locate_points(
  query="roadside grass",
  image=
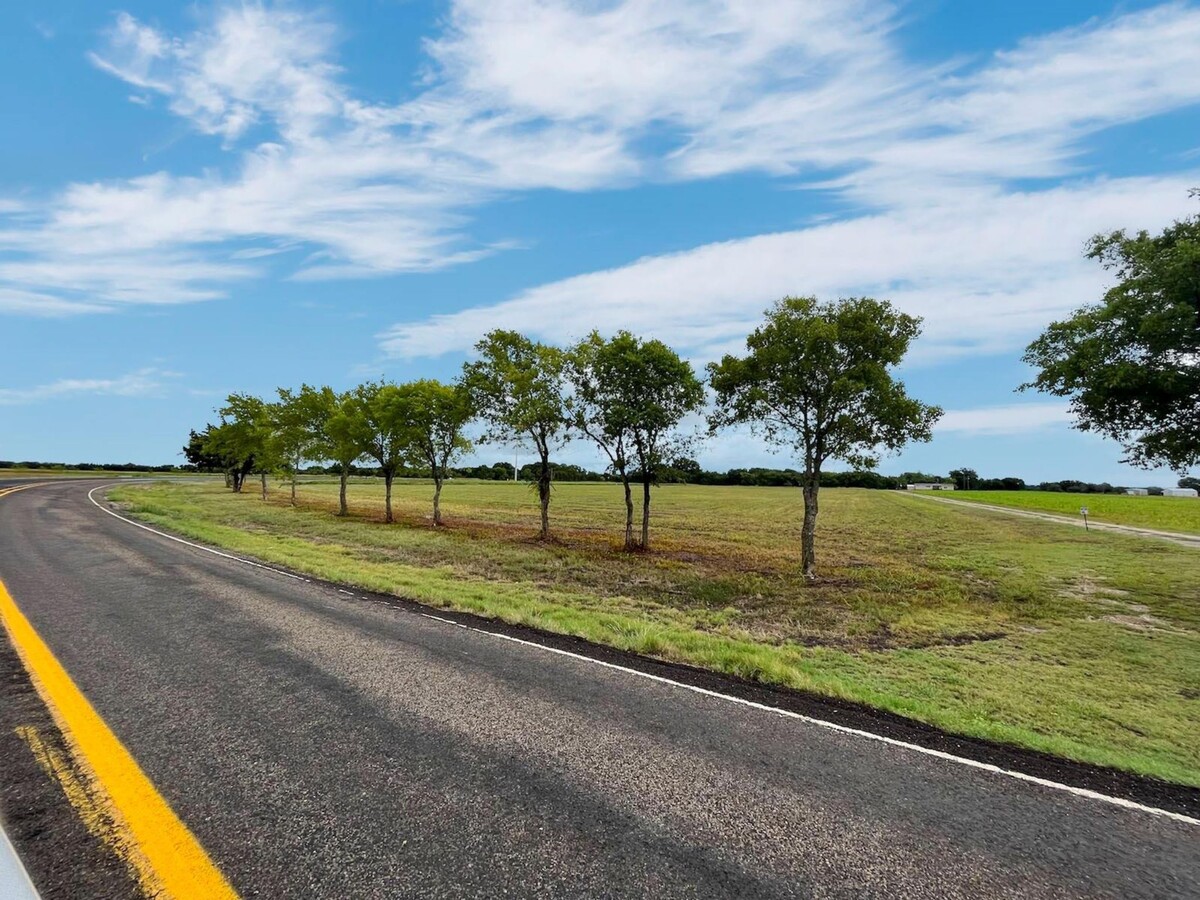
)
(1165, 513)
(1015, 630)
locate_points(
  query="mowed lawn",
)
(1081, 644)
(1180, 514)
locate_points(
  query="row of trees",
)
(816, 380)
(627, 395)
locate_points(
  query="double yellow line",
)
(107, 787)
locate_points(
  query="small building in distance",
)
(1137, 492)
(926, 486)
(1179, 492)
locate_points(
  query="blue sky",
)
(197, 199)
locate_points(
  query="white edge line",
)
(19, 875)
(787, 713)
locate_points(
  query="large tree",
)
(516, 385)
(384, 431)
(629, 397)
(817, 379)
(435, 415)
(1131, 363)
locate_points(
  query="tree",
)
(384, 430)
(298, 427)
(434, 415)
(964, 478)
(1193, 483)
(243, 437)
(817, 379)
(516, 385)
(347, 439)
(629, 397)
(200, 452)
(602, 410)
(1131, 363)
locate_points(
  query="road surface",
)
(322, 744)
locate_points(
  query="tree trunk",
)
(387, 488)
(544, 475)
(342, 510)
(264, 485)
(235, 481)
(437, 500)
(645, 513)
(629, 544)
(295, 473)
(808, 532)
(228, 480)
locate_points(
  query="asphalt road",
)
(323, 745)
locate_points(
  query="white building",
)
(1179, 492)
(1137, 492)
(924, 486)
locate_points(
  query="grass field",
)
(69, 472)
(1013, 629)
(1165, 513)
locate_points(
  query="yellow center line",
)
(4, 492)
(154, 843)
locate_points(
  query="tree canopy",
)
(1131, 363)
(629, 397)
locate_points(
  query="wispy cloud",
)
(985, 270)
(1015, 418)
(147, 382)
(574, 97)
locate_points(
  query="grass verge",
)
(1013, 630)
(1181, 514)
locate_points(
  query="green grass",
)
(1180, 514)
(1013, 629)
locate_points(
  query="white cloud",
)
(145, 382)
(984, 269)
(572, 96)
(1015, 418)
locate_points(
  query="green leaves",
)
(516, 385)
(629, 395)
(1131, 364)
(435, 415)
(817, 378)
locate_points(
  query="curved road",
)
(323, 745)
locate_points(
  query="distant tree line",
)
(91, 467)
(682, 470)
